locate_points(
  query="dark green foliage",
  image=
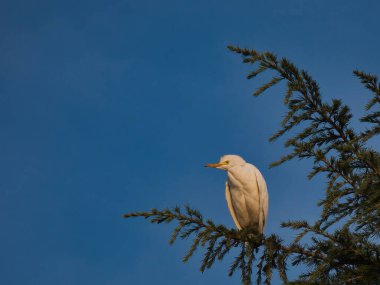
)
(347, 254)
(370, 82)
(218, 241)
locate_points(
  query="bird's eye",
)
(227, 161)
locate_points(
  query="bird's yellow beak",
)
(216, 165)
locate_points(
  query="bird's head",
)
(227, 161)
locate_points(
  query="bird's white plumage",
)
(246, 192)
(230, 207)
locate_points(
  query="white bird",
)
(246, 192)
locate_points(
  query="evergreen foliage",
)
(348, 252)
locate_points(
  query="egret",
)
(246, 192)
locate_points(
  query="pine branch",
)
(370, 82)
(217, 241)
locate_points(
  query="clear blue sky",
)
(108, 107)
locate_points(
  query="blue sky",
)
(108, 107)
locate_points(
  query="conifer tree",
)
(342, 246)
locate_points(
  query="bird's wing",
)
(263, 199)
(245, 199)
(248, 196)
(230, 207)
